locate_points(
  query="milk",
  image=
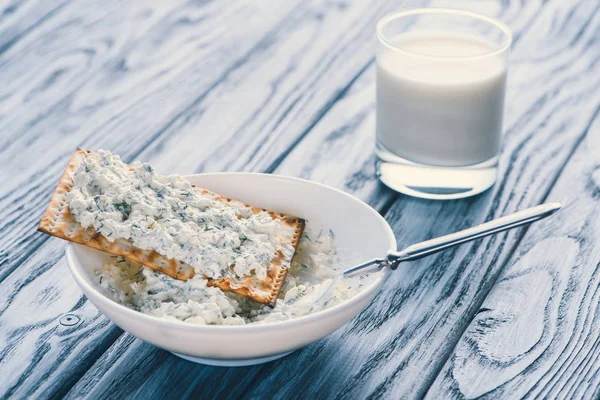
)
(436, 109)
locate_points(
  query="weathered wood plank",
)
(537, 333)
(138, 382)
(19, 18)
(39, 278)
(431, 301)
(419, 316)
(115, 370)
(16, 281)
(277, 96)
(119, 106)
(334, 152)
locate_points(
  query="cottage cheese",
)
(164, 213)
(316, 262)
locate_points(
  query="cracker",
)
(59, 222)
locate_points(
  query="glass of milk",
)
(441, 79)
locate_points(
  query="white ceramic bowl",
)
(356, 225)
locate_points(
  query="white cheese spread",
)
(192, 301)
(165, 214)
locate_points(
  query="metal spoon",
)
(423, 249)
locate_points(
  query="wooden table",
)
(288, 87)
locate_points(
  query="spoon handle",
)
(428, 247)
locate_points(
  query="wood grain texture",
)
(431, 301)
(40, 274)
(422, 311)
(113, 102)
(29, 271)
(537, 334)
(265, 104)
(18, 19)
(334, 145)
(268, 105)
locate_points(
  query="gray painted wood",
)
(111, 102)
(431, 301)
(331, 361)
(41, 272)
(306, 111)
(44, 276)
(422, 311)
(537, 333)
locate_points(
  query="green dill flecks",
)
(124, 208)
(208, 228)
(319, 237)
(186, 193)
(100, 279)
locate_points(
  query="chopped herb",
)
(124, 208)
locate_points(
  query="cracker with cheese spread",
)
(171, 226)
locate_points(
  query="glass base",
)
(434, 182)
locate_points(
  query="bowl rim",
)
(374, 287)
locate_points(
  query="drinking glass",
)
(441, 79)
